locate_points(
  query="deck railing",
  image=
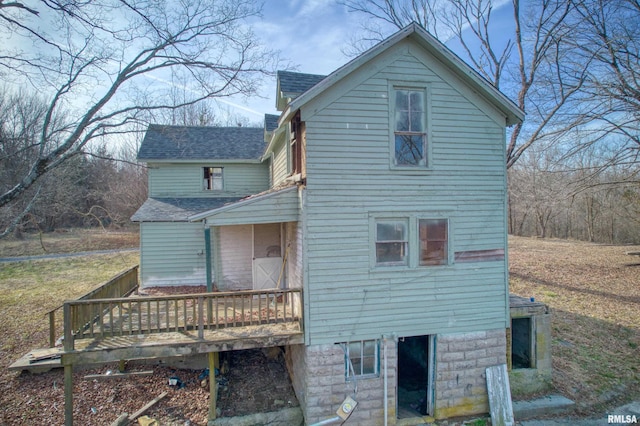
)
(102, 318)
(120, 285)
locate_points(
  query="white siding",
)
(235, 257)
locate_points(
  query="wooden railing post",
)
(68, 324)
(52, 328)
(200, 317)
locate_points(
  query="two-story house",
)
(380, 191)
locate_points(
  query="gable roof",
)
(441, 52)
(292, 84)
(201, 143)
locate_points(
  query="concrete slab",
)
(545, 406)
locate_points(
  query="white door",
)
(266, 271)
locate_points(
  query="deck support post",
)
(213, 385)
(68, 394)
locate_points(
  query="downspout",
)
(386, 381)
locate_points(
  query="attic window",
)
(409, 127)
(212, 179)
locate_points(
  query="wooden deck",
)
(147, 327)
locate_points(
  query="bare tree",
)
(537, 76)
(609, 33)
(99, 66)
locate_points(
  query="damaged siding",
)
(348, 160)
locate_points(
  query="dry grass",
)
(594, 295)
(69, 241)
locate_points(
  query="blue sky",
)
(311, 35)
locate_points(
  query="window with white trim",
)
(212, 179)
(361, 359)
(409, 125)
(392, 242)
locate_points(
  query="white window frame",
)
(426, 162)
(212, 178)
(350, 370)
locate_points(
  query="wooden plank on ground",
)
(123, 420)
(147, 406)
(119, 375)
(499, 396)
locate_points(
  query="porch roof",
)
(177, 209)
(271, 206)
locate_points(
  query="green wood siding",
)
(280, 168)
(186, 180)
(349, 179)
(172, 253)
(235, 258)
(270, 208)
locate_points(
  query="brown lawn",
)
(593, 292)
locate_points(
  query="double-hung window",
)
(411, 242)
(392, 242)
(409, 124)
(212, 179)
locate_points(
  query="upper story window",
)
(409, 125)
(392, 242)
(212, 179)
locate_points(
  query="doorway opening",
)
(416, 366)
(521, 343)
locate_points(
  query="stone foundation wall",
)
(461, 360)
(318, 377)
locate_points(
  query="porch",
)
(106, 330)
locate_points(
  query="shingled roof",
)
(293, 84)
(270, 122)
(177, 209)
(200, 143)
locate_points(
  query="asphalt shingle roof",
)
(198, 143)
(271, 122)
(296, 82)
(177, 209)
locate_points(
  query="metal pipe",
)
(328, 421)
(386, 392)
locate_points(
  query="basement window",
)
(361, 359)
(522, 343)
(212, 179)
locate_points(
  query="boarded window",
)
(391, 242)
(409, 128)
(212, 179)
(434, 245)
(361, 359)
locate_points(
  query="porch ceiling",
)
(272, 206)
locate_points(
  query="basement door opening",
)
(416, 366)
